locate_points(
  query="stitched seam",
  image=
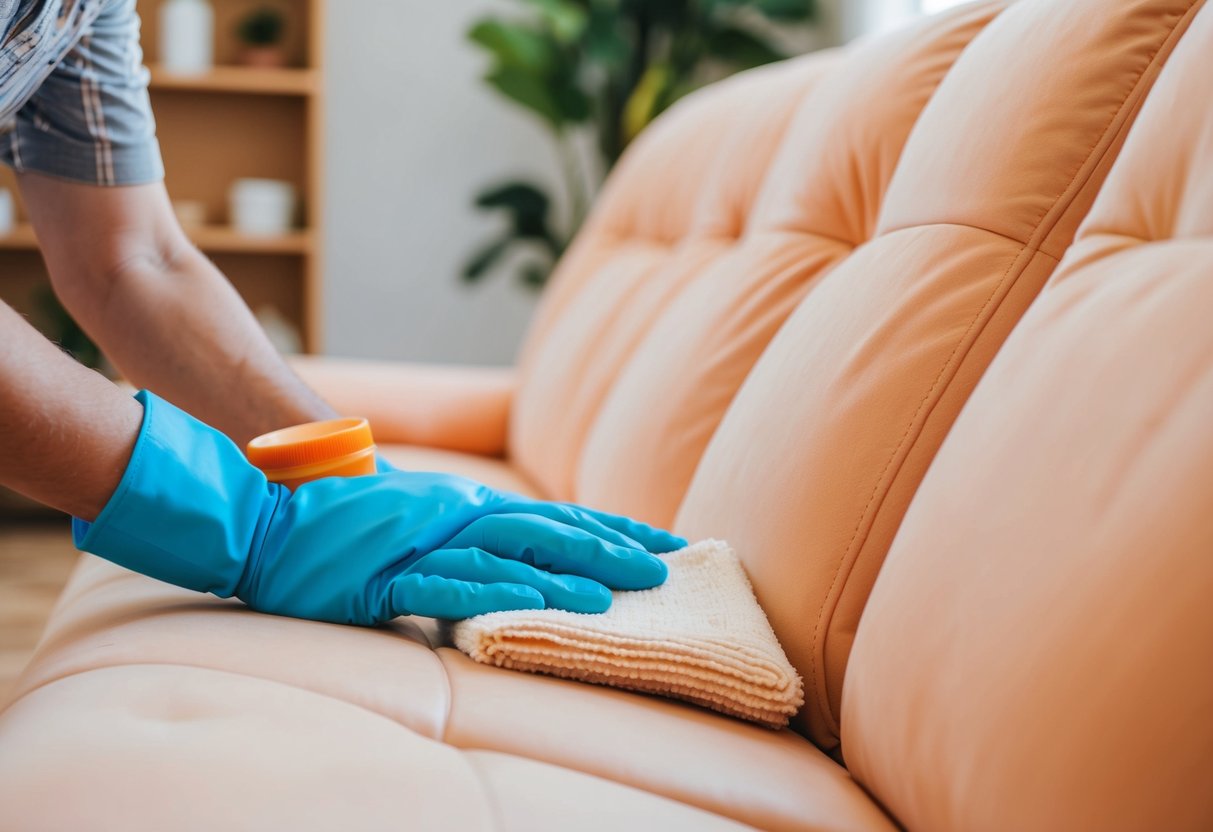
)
(850, 553)
(1041, 230)
(1107, 137)
(818, 691)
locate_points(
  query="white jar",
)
(187, 36)
(262, 207)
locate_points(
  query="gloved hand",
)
(191, 510)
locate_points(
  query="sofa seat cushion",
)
(165, 746)
(140, 690)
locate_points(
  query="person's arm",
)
(161, 311)
(157, 491)
(67, 431)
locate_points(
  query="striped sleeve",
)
(91, 119)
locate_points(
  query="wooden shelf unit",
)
(239, 79)
(210, 238)
(229, 123)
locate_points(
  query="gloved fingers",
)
(657, 541)
(555, 547)
(612, 528)
(434, 596)
(565, 592)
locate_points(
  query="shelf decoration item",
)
(8, 220)
(262, 207)
(187, 36)
(261, 31)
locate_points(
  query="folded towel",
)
(700, 637)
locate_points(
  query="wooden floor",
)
(35, 560)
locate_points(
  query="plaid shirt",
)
(73, 92)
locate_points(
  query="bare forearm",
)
(179, 328)
(160, 310)
(68, 432)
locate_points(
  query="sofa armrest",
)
(458, 408)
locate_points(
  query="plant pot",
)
(264, 57)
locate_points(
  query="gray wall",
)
(412, 135)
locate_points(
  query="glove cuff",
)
(190, 509)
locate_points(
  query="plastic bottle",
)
(299, 454)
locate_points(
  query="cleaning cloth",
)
(700, 637)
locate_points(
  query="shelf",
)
(217, 239)
(224, 239)
(240, 79)
(22, 237)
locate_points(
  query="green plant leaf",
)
(514, 45)
(787, 9)
(642, 104)
(527, 206)
(742, 48)
(571, 100)
(673, 13)
(529, 89)
(261, 27)
(486, 258)
(604, 42)
(567, 20)
(534, 276)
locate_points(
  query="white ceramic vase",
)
(187, 36)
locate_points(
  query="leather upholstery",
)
(636, 253)
(782, 306)
(453, 408)
(817, 202)
(427, 704)
(884, 350)
(1055, 642)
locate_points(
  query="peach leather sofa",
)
(923, 326)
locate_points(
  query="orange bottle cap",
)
(313, 444)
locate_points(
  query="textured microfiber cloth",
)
(700, 636)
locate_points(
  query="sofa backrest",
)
(1038, 650)
(814, 464)
(688, 268)
(640, 245)
(713, 227)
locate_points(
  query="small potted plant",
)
(261, 33)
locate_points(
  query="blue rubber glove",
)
(191, 510)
